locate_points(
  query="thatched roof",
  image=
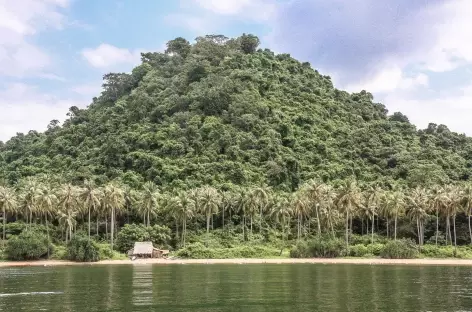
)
(143, 248)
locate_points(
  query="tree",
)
(182, 208)
(47, 200)
(348, 201)
(149, 201)
(179, 46)
(90, 195)
(299, 207)
(395, 203)
(466, 202)
(209, 203)
(8, 205)
(113, 201)
(30, 189)
(281, 211)
(68, 207)
(315, 192)
(373, 200)
(249, 43)
(418, 210)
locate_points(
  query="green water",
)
(296, 287)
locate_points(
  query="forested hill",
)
(221, 112)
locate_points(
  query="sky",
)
(414, 56)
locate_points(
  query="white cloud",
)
(88, 90)
(19, 20)
(24, 107)
(452, 109)
(390, 79)
(106, 55)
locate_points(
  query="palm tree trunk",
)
(223, 211)
(89, 222)
(298, 228)
(470, 230)
(388, 236)
(149, 218)
(97, 226)
(5, 225)
(106, 227)
(244, 228)
(437, 226)
(47, 231)
(112, 229)
(449, 229)
(396, 217)
(347, 228)
(208, 230)
(373, 226)
(455, 234)
(251, 224)
(184, 230)
(318, 220)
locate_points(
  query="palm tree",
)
(90, 196)
(242, 206)
(373, 200)
(209, 203)
(182, 209)
(260, 199)
(30, 191)
(228, 200)
(348, 201)
(314, 190)
(418, 210)
(395, 201)
(149, 201)
(466, 202)
(281, 211)
(8, 204)
(113, 202)
(327, 207)
(69, 207)
(438, 203)
(299, 208)
(453, 207)
(47, 201)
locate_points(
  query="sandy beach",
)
(453, 262)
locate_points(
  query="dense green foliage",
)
(160, 236)
(400, 249)
(200, 251)
(29, 245)
(220, 137)
(220, 113)
(82, 249)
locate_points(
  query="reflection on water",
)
(142, 285)
(255, 288)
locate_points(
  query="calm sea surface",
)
(274, 287)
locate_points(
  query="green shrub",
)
(400, 249)
(105, 252)
(82, 249)
(375, 249)
(320, 248)
(200, 251)
(29, 245)
(159, 235)
(358, 250)
(60, 253)
(300, 250)
(356, 239)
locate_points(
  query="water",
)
(276, 287)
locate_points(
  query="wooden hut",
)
(147, 250)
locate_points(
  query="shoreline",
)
(364, 261)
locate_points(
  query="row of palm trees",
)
(315, 208)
